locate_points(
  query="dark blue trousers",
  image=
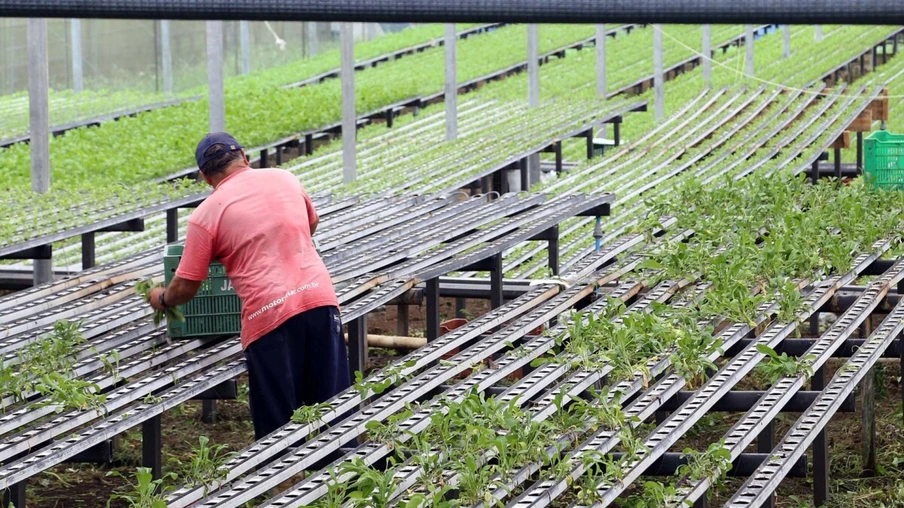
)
(303, 361)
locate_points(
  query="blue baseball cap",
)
(204, 154)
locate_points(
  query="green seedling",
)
(144, 492)
(206, 467)
(172, 314)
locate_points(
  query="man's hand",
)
(154, 299)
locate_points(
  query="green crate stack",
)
(215, 310)
(883, 161)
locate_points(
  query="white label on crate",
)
(227, 285)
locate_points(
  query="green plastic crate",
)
(215, 310)
(883, 162)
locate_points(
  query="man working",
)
(258, 223)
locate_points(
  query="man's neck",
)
(231, 170)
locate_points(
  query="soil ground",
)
(90, 485)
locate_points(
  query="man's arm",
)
(178, 292)
(192, 271)
(313, 218)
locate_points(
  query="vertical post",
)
(837, 158)
(39, 121)
(312, 37)
(818, 38)
(814, 173)
(460, 307)
(216, 99)
(748, 41)
(349, 128)
(451, 44)
(151, 441)
(553, 250)
(166, 56)
(764, 444)
(533, 66)
(15, 495)
(860, 152)
(601, 86)
(558, 157)
(245, 42)
(357, 345)
(707, 56)
(172, 225)
(75, 34)
(616, 131)
(208, 411)
(820, 448)
(88, 260)
(658, 79)
(432, 309)
(524, 168)
(402, 320)
(786, 34)
(496, 274)
(533, 97)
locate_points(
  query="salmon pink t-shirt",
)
(257, 223)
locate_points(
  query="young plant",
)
(206, 467)
(778, 366)
(709, 465)
(172, 314)
(310, 414)
(66, 393)
(144, 492)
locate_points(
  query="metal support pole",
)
(349, 127)
(312, 37)
(496, 274)
(245, 42)
(558, 148)
(432, 295)
(764, 444)
(860, 152)
(533, 66)
(451, 44)
(786, 34)
(88, 250)
(820, 450)
(553, 250)
(658, 79)
(748, 41)
(15, 495)
(524, 169)
(75, 34)
(166, 56)
(616, 132)
(707, 55)
(460, 307)
(215, 91)
(485, 184)
(402, 320)
(172, 225)
(533, 96)
(818, 38)
(208, 411)
(589, 136)
(837, 158)
(814, 172)
(265, 158)
(39, 121)
(357, 345)
(151, 442)
(601, 86)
